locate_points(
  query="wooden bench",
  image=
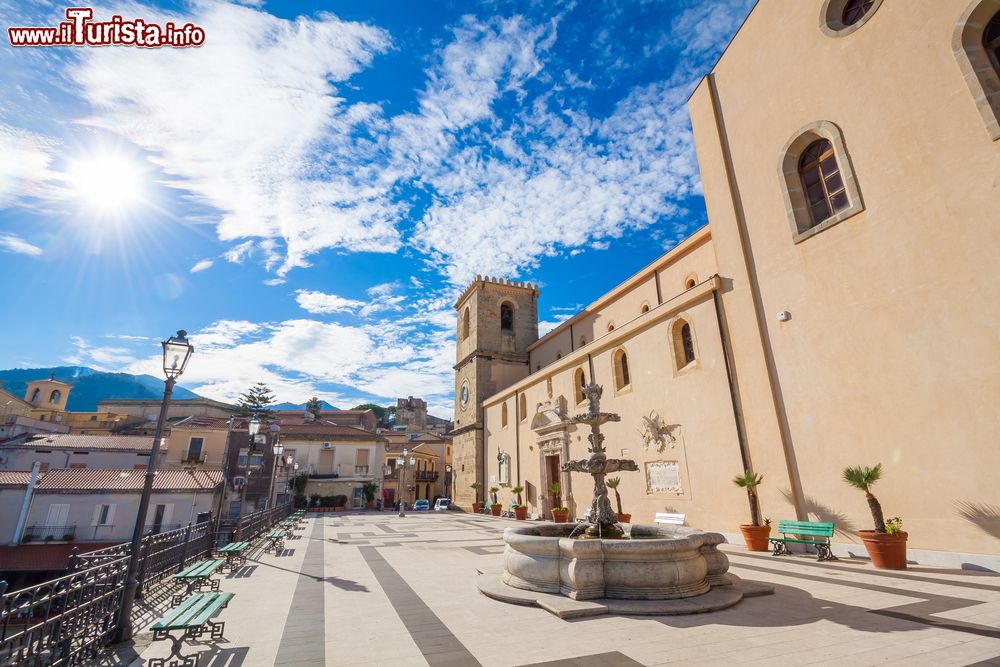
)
(665, 517)
(233, 553)
(191, 620)
(816, 533)
(196, 576)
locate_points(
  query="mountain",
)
(300, 406)
(90, 386)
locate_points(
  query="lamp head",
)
(176, 352)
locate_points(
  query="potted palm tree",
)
(754, 534)
(886, 545)
(612, 483)
(560, 514)
(520, 511)
(476, 505)
(495, 507)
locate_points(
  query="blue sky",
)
(307, 192)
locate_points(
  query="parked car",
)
(442, 504)
(422, 505)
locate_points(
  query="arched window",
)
(691, 281)
(579, 382)
(506, 317)
(822, 182)
(622, 378)
(503, 414)
(645, 308)
(55, 396)
(842, 17)
(976, 45)
(855, 10)
(522, 408)
(819, 186)
(36, 395)
(583, 341)
(465, 323)
(683, 343)
(611, 326)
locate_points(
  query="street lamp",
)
(253, 428)
(402, 481)
(176, 352)
(276, 451)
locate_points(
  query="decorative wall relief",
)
(655, 432)
(663, 477)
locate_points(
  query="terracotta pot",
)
(476, 507)
(495, 509)
(560, 516)
(624, 518)
(521, 512)
(888, 552)
(755, 536)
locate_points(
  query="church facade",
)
(839, 309)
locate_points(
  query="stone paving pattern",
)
(375, 589)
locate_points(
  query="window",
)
(855, 10)
(690, 281)
(465, 323)
(256, 460)
(522, 408)
(622, 379)
(579, 382)
(645, 308)
(194, 449)
(104, 515)
(503, 415)
(506, 317)
(683, 344)
(93, 418)
(361, 461)
(55, 396)
(583, 341)
(976, 45)
(243, 458)
(36, 395)
(819, 186)
(611, 326)
(840, 18)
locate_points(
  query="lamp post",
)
(402, 481)
(176, 352)
(276, 450)
(253, 428)
(447, 481)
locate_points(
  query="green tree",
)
(255, 401)
(314, 405)
(377, 409)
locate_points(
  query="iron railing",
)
(69, 620)
(49, 533)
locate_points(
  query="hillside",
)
(90, 386)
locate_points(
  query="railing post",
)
(184, 549)
(74, 559)
(143, 563)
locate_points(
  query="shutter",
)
(168, 514)
(57, 516)
(361, 458)
(97, 515)
(111, 514)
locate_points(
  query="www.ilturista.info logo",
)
(80, 30)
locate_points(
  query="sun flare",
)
(110, 183)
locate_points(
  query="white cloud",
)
(15, 244)
(320, 303)
(25, 169)
(249, 123)
(546, 326)
(202, 265)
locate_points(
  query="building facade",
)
(839, 309)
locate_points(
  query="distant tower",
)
(47, 398)
(497, 321)
(412, 413)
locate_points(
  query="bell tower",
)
(497, 321)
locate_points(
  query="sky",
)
(308, 191)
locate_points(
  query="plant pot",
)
(755, 536)
(495, 509)
(560, 516)
(521, 512)
(624, 518)
(476, 507)
(888, 552)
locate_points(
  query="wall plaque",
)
(663, 476)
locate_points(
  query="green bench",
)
(191, 620)
(196, 576)
(815, 533)
(275, 541)
(233, 553)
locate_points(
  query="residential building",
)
(423, 472)
(432, 476)
(837, 310)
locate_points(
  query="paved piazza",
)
(375, 589)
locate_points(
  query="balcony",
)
(49, 534)
(427, 475)
(324, 475)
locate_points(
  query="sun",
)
(108, 182)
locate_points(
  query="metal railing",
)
(427, 476)
(49, 533)
(69, 620)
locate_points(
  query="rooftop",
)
(120, 479)
(127, 443)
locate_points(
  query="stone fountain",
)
(602, 566)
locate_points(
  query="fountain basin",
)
(655, 563)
